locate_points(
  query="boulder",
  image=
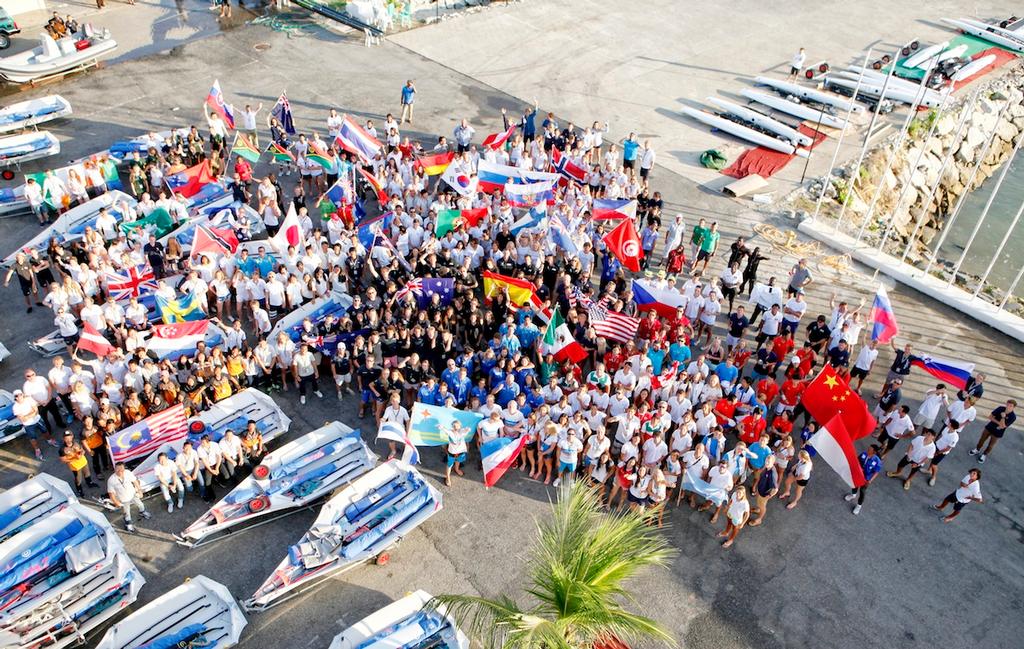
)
(1007, 131)
(947, 124)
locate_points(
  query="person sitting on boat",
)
(252, 443)
(71, 24)
(56, 27)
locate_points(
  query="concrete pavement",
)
(894, 576)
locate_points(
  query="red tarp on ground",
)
(766, 162)
(1002, 58)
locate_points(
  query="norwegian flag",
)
(567, 168)
(151, 433)
(607, 323)
(132, 282)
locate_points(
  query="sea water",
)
(1004, 207)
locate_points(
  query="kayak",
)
(199, 613)
(403, 623)
(359, 523)
(295, 475)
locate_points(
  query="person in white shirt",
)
(865, 361)
(736, 516)
(721, 478)
(231, 449)
(249, 123)
(654, 450)
(597, 445)
(125, 492)
(944, 443)
(797, 63)
(770, 325)
(935, 401)
(305, 367)
(166, 472)
(568, 455)
(922, 450)
(212, 460)
(190, 469)
(968, 491)
(894, 428)
(793, 311)
(801, 475)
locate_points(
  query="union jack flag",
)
(607, 323)
(131, 282)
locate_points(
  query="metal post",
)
(810, 149)
(922, 91)
(842, 134)
(999, 250)
(968, 112)
(988, 205)
(867, 137)
(1013, 285)
(948, 226)
(913, 169)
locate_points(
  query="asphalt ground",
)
(893, 576)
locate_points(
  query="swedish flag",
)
(180, 310)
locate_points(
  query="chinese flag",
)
(624, 243)
(828, 396)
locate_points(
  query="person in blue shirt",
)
(656, 353)
(648, 240)
(450, 373)
(442, 395)
(245, 263)
(630, 150)
(506, 391)
(497, 375)
(680, 352)
(609, 267)
(264, 262)
(529, 122)
(524, 371)
(427, 391)
(528, 333)
(495, 343)
(487, 362)
(523, 403)
(408, 98)
(511, 342)
(461, 387)
(479, 391)
(534, 399)
(871, 465)
(727, 374)
(467, 360)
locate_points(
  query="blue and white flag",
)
(693, 482)
(391, 431)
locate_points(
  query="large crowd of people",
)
(709, 391)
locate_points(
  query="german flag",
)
(434, 165)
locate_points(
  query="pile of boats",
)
(64, 570)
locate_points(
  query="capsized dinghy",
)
(295, 475)
(403, 623)
(25, 114)
(369, 516)
(23, 505)
(199, 613)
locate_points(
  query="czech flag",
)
(354, 138)
(215, 100)
(498, 455)
(833, 444)
(883, 317)
(649, 297)
(954, 373)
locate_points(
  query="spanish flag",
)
(520, 291)
(434, 165)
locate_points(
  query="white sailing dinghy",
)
(199, 613)
(286, 480)
(32, 500)
(56, 57)
(403, 623)
(25, 114)
(742, 132)
(1008, 38)
(803, 111)
(363, 520)
(16, 149)
(762, 121)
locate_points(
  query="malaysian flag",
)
(607, 323)
(130, 282)
(151, 433)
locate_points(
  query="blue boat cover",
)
(176, 639)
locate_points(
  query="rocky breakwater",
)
(924, 176)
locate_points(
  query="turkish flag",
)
(829, 395)
(624, 242)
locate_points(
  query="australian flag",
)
(425, 289)
(282, 111)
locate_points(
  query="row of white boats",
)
(65, 571)
(30, 144)
(762, 121)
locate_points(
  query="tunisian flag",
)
(833, 444)
(624, 242)
(829, 395)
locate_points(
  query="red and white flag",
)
(290, 233)
(93, 341)
(165, 427)
(168, 338)
(624, 243)
(833, 444)
(606, 323)
(495, 141)
(209, 240)
(498, 455)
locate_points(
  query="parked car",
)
(8, 28)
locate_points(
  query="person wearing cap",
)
(125, 492)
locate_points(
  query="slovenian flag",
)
(954, 373)
(353, 138)
(215, 100)
(498, 455)
(649, 297)
(833, 444)
(883, 317)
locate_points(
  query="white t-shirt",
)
(946, 441)
(738, 508)
(899, 426)
(865, 358)
(165, 473)
(797, 306)
(721, 478)
(699, 464)
(569, 450)
(654, 451)
(489, 429)
(920, 451)
(973, 490)
(596, 446)
(123, 488)
(770, 323)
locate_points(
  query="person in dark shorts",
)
(998, 421)
(968, 491)
(26, 277)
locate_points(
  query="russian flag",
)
(215, 100)
(353, 138)
(665, 301)
(529, 195)
(954, 373)
(498, 455)
(883, 317)
(833, 444)
(493, 176)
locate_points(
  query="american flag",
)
(132, 282)
(607, 323)
(151, 433)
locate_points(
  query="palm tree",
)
(578, 573)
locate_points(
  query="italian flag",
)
(558, 340)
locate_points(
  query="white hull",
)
(216, 215)
(951, 53)
(372, 632)
(875, 78)
(24, 114)
(762, 121)
(811, 94)
(200, 604)
(53, 57)
(315, 310)
(995, 29)
(16, 149)
(986, 33)
(335, 542)
(327, 457)
(927, 98)
(28, 502)
(921, 56)
(973, 67)
(739, 130)
(800, 111)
